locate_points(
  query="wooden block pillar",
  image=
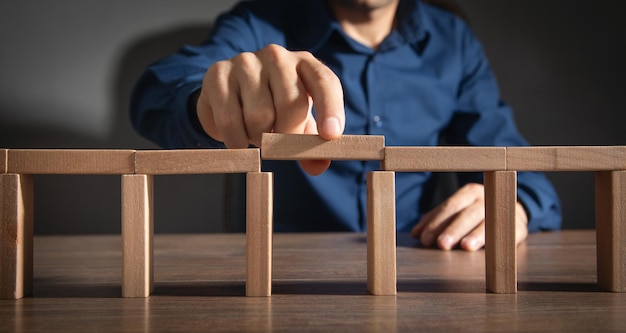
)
(381, 233)
(500, 247)
(611, 229)
(259, 215)
(137, 234)
(16, 235)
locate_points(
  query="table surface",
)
(319, 284)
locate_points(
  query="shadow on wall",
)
(85, 204)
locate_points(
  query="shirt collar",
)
(313, 29)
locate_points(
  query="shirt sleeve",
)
(162, 105)
(482, 119)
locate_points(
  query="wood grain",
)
(312, 147)
(319, 285)
(500, 247)
(197, 161)
(71, 161)
(611, 229)
(566, 158)
(259, 215)
(444, 159)
(137, 235)
(16, 235)
(381, 233)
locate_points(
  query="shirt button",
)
(377, 121)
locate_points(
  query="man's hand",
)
(461, 220)
(271, 90)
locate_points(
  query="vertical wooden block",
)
(611, 230)
(381, 233)
(500, 247)
(259, 215)
(137, 234)
(16, 235)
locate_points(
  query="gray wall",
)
(66, 69)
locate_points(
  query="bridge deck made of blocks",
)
(137, 168)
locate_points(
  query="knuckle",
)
(246, 62)
(323, 75)
(274, 52)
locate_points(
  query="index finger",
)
(327, 94)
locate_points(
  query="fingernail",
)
(471, 243)
(332, 126)
(445, 242)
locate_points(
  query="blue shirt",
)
(428, 81)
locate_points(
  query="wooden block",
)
(16, 235)
(500, 247)
(259, 215)
(312, 147)
(197, 161)
(137, 235)
(71, 161)
(566, 158)
(611, 230)
(381, 233)
(4, 156)
(444, 159)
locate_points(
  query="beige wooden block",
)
(71, 161)
(197, 161)
(381, 233)
(16, 235)
(259, 215)
(444, 159)
(312, 147)
(4, 156)
(500, 247)
(611, 230)
(566, 158)
(137, 235)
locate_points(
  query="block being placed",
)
(16, 235)
(197, 161)
(444, 159)
(259, 215)
(566, 158)
(71, 161)
(611, 230)
(381, 233)
(500, 246)
(276, 146)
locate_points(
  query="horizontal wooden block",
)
(4, 155)
(197, 161)
(312, 147)
(566, 158)
(444, 159)
(71, 161)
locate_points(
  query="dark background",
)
(67, 67)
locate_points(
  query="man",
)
(399, 68)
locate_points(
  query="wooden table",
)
(319, 285)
